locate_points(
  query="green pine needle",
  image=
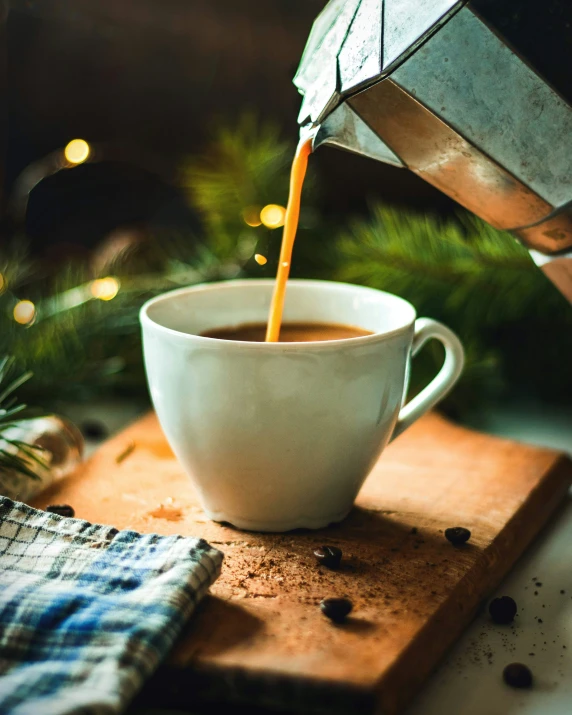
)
(24, 457)
(477, 280)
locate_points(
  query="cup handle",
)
(426, 329)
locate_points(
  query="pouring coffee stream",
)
(297, 175)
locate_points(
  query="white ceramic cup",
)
(277, 436)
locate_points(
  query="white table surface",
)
(469, 681)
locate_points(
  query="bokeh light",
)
(105, 288)
(273, 215)
(251, 216)
(260, 259)
(24, 312)
(77, 151)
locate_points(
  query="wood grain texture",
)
(260, 638)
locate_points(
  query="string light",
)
(24, 312)
(251, 216)
(260, 259)
(77, 151)
(105, 288)
(273, 215)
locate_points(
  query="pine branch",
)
(24, 457)
(462, 266)
(476, 279)
(245, 167)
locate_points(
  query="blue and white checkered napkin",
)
(88, 612)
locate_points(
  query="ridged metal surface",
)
(437, 87)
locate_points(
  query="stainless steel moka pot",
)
(473, 96)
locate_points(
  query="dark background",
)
(144, 80)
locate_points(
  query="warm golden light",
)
(24, 312)
(251, 216)
(105, 288)
(77, 151)
(260, 259)
(2, 284)
(272, 216)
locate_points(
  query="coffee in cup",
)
(289, 332)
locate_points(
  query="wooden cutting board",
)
(260, 639)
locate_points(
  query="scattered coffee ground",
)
(517, 675)
(61, 510)
(540, 620)
(457, 535)
(336, 609)
(329, 556)
(538, 584)
(93, 429)
(503, 609)
(562, 590)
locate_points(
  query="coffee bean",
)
(329, 556)
(336, 609)
(61, 510)
(503, 609)
(517, 675)
(457, 535)
(93, 429)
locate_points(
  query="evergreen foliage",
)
(515, 325)
(15, 455)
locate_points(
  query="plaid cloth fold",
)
(88, 612)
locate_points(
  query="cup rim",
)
(375, 337)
